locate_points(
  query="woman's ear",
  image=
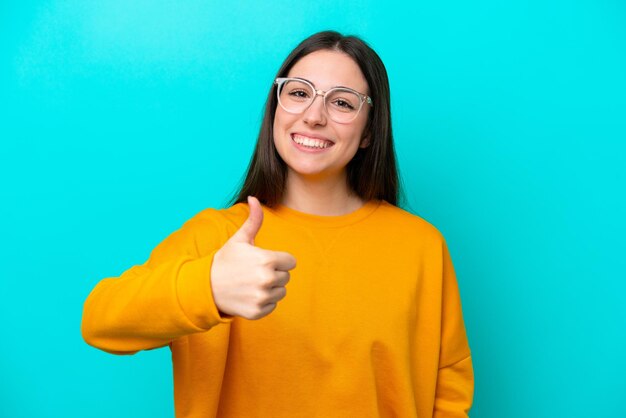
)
(365, 141)
(367, 134)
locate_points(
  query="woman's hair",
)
(372, 173)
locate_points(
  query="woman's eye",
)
(343, 104)
(301, 94)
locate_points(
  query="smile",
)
(313, 143)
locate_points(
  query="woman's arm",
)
(455, 380)
(205, 265)
(169, 296)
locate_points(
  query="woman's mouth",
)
(311, 143)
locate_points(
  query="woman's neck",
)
(329, 196)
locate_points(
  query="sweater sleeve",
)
(169, 296)
(455, 380)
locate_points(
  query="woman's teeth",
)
(310, 142)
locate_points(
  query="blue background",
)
(122, 119)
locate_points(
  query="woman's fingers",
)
(276, 294)
(282, 278)
(284, 261)
(243, 287)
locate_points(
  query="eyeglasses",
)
(342, 104)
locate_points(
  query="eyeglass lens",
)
(342, 105)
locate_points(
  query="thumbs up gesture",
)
(248, 281)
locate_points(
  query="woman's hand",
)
(248, 281)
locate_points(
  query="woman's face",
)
(325, 69)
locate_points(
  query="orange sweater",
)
(371, 325)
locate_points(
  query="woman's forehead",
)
(328, 68)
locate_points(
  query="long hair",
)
(372, 173)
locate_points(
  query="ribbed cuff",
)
(195, 295)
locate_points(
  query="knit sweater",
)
(371, 325)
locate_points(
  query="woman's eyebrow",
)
(344, 87)
(333, 87)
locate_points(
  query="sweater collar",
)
(320, 221)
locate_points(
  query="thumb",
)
(251, 226)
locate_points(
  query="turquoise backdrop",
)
(119, 120)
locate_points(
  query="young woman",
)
(372, 323)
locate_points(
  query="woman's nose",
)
(315, 114)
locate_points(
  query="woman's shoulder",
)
(230, 217)
(403, 220)
(206, 230)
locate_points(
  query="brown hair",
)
(372, 173)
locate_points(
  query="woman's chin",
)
(309, 173)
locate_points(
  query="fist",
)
(248, 281)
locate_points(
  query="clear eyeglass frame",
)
(363, 98)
